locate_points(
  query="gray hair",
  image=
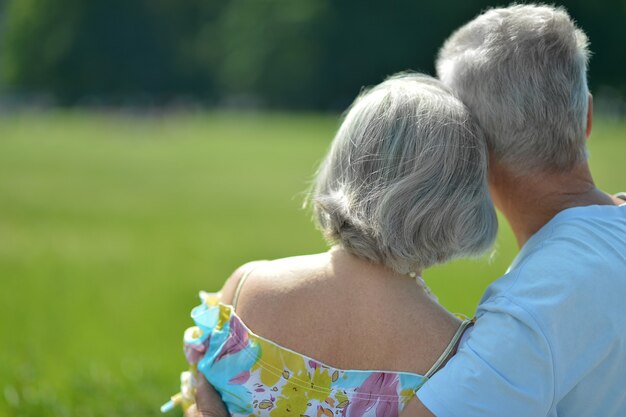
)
(521, 70)
(404, 183)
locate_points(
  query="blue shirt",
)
(550, 336)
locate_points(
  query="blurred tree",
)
(604, 21)
(188, 30)
(273, 49)
(370, 42)
(296, 54)
(74, 49)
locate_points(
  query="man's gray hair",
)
(522, 72)
(404, 182)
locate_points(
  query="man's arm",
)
(504, 367)
(208, 402)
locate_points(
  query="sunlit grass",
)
(110, 224)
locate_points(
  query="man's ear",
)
(589, 116)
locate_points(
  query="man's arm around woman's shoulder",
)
(209, 404)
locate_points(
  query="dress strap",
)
(242, 280)
(450, 348)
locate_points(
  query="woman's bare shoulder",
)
(230, 286)
(273, 277)
(294, 301)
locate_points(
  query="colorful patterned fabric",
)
(257, 377)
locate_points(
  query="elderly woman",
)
(355, 330)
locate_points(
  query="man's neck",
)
(530, 201)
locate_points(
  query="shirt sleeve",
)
(503, 368)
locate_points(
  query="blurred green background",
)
(296, 54)
(148, 148)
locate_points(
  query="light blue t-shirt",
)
(550, 336)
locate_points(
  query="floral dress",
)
(257, 377)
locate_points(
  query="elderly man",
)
(550, 335)
(550, 338)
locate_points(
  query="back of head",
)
(522, 72)
(404, 183)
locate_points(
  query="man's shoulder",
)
(570, 266)
(575, 241)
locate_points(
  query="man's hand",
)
(208, 401)
(209, 404)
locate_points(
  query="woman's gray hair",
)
(521, 70)
(404, 182)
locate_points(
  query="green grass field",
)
(110, 224)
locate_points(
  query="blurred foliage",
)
(301, 54)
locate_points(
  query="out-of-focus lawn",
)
(110, 224)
